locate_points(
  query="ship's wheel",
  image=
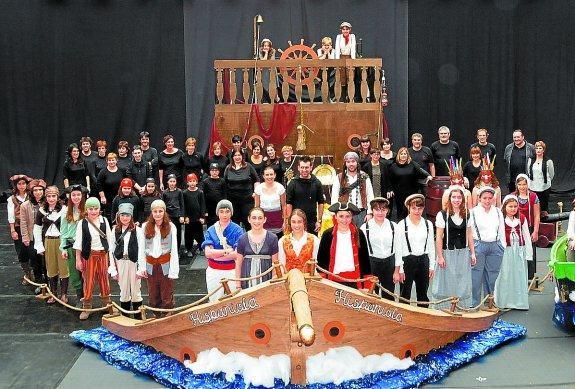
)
(301, 51)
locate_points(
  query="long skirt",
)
(454, 279)
(252, 266)
(511, 285)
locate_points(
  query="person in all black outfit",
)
(218, 158)
(170, 161)
(193, 161)
(150, 194)
(214, 188)
(174, 199)
(241, 179)
(139, 171)
(194, 215)
(443, 150)
(306, 193)
(109, 180)
(124, 159)
(75, 170)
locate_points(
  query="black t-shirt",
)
(305, 194)
(471, 173)
(221, 160)
(75, 172)
(487, 149)
(109, 183)
(442, 153)
(194, 204)
(171, 164)
(174, 200)
(423, 157)
(214, 190)
(518, 161)
(240, 182)
(124, 163)
(193, 164)
(90, 161)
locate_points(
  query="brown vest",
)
(17, 204)
(344, 198)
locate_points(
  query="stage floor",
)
(37, 353)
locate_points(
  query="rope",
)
(184, 307)
(253, 277)
(321, 269)
(47, 288)
(404, 300)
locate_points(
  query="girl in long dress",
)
(511, 287)
(257, 250)
(455, 251)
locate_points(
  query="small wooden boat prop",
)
(301, 315)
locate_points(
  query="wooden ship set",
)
(299, 315)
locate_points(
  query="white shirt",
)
(538, 184)
(297, 245)
(421, 240)
(10, 207)
(270, 201)
(156, 251)
(342, 49)
(330, 56)
(355, 194)
(343, 253)
(52, 231)
(380, 237)
(96, 239)
(141, 252)
(571, 225)
(514, 223)
(489, 224)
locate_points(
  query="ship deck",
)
(36, 350)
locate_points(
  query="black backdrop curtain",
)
(107, 69)
(223, 29)
(110, 68)
(495, 64)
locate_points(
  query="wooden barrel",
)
(435, 189)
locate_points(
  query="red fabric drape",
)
(384, 127)
(281, 124)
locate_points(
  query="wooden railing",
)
(298, 80)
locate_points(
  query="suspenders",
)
(477, 229)
(369, 241)
(407, 236)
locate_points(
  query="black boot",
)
(135, 307)
(79, 296)
(64, 289)
(125, 305)
(53, 284)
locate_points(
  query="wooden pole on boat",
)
(300, 306)
(305, 333)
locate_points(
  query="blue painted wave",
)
(427, 368)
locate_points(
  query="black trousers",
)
(383, 269)
(242, 207)
(194, 230)
(543, 200)
(176, 221)
(416, 268)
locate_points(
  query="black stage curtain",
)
(223, 29)
(107, 69)
(495, 64)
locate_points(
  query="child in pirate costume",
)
(47, 242)
(19, 195)
(455, 251)
(510, 288)
(127, 195)
(220, 242)
(28, 211)
(345, 47)
(161, 263)
(486, 178)
(456, 180)
(127, 251)
(297, 246)
(92, 243)
(417, 250)
(343, 247)
(68, 225)
(382, 243)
